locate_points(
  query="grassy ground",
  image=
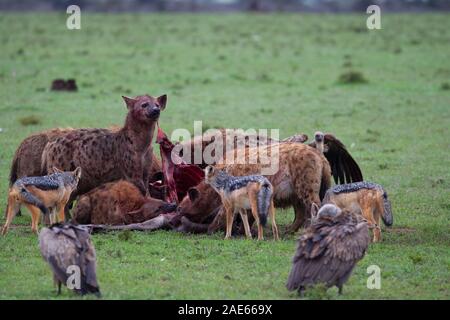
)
(249, 71)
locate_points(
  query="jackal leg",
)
(229, 214)
(368, 214)
(244, 219)
(253, 203)
(274, 224)
(377, 212)
(35, 215)
(60, 208)
(13, 208)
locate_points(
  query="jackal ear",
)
(162, 100)
(129, 101)
(77, 173)
(314, 210)
(56, 170)
(193, 194)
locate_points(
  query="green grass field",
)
(242, 71)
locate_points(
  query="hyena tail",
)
(325, 182)
(264, 198)
(13, 176)
(29, 198)
(13, 173)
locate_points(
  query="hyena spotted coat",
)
(106, 155)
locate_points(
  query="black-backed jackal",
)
(368, 197)
(48, 194)
(239, 194)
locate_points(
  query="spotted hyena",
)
(118, 202)
(106, 155)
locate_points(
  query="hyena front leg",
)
(244, 218)
(218, 221)
(299, 220)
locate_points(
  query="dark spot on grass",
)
(383, 166)
(373, 132)
(437, 182)
(264, 77)
(416, 259)
(347, 64)
(370, 140)
(29, 120)
(266, 110)
(352, 77)
(125, 235)
(227, 277)
(445, 86)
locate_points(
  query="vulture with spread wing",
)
(329, 249)
(343, 167)
(66, 248)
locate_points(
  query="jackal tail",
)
(387, 217)
(264, 198)
(27, 197)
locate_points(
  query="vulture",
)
(343, 167)
(66, 245)
(329, 249)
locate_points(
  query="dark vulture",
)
(65, 245)
(329, 249)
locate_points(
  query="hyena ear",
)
(56, 170)
(162, 100)
(77, 173)
(129, 101)
(314, 210)
(193, 194)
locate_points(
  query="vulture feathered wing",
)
(327, 253)
(65, 245)
(343, 167)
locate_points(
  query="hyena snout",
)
(154, 113)
(168, 207)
